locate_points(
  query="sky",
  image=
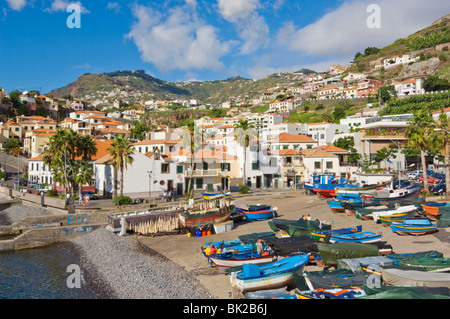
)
(45, 46)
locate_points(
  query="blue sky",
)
(181, 40)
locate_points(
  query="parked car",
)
(415, 174)
(430, 179)
(438, 189)
(91, 195)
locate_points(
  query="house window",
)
(165, 168)
(199, 183)
(316, 165)
(255, 166)
(205, 166)
(288, 160)
(225, 167)
(179, 169)
(329, 165)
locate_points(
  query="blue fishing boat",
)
(271, 276)
(212, 196)
(223, 243)
(336, 206)
(225, 261)
(258, 215)
(323, 234)
(326, 185)
(362, 237)
(414, 226)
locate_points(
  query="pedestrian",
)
(291, 183)
(80, 200)
(165, 196)
(68, 199)
(309, 217)
(87, 200)
(259, 246)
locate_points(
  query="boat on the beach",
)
(223, 243)
(274, 275)
(415, 278)
(330, 279)
(426, 264)
(259, 215)
(331, 253)
(227, 260)
(336, 293)
(436, 210)
(376, 212)
(304, 227)
(397, 292)
(326, 187)
(361, 237)
(414, 226)
(336, 206)
(420, 254)
(323, 235)
(190, 220)
(213, 196)
(253, 237)
(387, 195)
(293, 245)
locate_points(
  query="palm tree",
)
(420, 136)
(443, 139)
(121, 154)
(83, 175)
(192, 138)
(244, 132)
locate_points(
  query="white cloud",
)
(177, 40)
(114, 6)
(16, 4)
(61, 5)
(252, 28)
(344, 31)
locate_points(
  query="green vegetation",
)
(431, 102)
(428, 40)
(121, 200)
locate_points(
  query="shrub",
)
(244, 189)
(52, 192)
(121, 200)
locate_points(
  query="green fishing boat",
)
(304, 227)
(426, 264)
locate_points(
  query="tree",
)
(338, 114)
(121, 153)
(385, 93)
(385, 154)
(83, 175)
(244, 132)
(371, 50)
(358, 55)
(191, 139)
(138, 129)
(419, 134)
(434, 83)
(442, 137)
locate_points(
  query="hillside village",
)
(281, 154)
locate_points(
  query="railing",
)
(209, 172)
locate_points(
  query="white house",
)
(323, 133)
(409, 87)
(283, 106)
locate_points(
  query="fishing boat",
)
(345, 193)
(323, 235)
(370, 264)
(331, 253)
(274, 275)
(223, 243)
(374, 213)
(258, 215)
(250, 208)
(435, 210)
(420, 254)
(228, 260)
(330, 279)
(336, 206)
(361, 237)
(414, 226)
(193, 220)
(426, 264)
(400, 213)
(253, 237)
(293, 246)
(213, 196)
(327, 184)
(415, 278)
(319, 179)
(394, 292)
(388, 195)
(304, 227)
(336, 293)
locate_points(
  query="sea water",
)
(40, 273)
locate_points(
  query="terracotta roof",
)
(333, 149)
(288, 152)
(286, 137)
(317, 152)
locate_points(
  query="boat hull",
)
(367, 238)
(212, 196)
(223, 263)
(260, 215)
(414, 227)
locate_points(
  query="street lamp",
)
(150, 186)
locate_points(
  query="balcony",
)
(202, 173)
